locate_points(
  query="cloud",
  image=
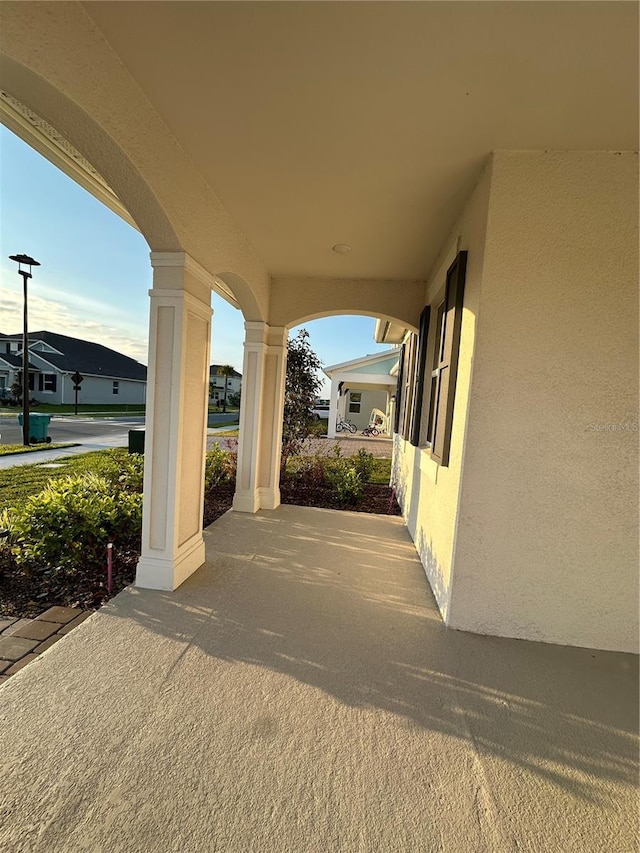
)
(54, 316)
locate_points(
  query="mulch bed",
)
(377, 499)
(28, 595)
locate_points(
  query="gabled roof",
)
(364, 361)
(15, 360)
(87, 357)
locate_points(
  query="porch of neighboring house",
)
(361, 387)
(300, 692)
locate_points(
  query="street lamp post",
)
(26, 261)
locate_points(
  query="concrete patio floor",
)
(300, 693)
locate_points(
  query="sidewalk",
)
(37, 457)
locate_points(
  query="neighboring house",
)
(360, 385)
(482, 161)
(216, 383)
(108, 376)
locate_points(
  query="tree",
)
(301, 387)
(16, 388)
(225, 370)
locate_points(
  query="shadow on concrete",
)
(340, 602)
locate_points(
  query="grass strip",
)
(17, 484)
(11, 449)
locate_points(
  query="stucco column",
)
(259, 447)
(333, 408)
(246, 498)
(270, 451)
(176, 421)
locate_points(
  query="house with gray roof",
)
(107, 376)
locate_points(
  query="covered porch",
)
(299, 692)
(286, 193)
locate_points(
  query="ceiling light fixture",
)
(341, 248)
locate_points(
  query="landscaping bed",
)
(26, 588)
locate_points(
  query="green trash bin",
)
(136, 441)
(38, 427)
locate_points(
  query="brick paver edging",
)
(22, 640)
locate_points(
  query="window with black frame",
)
(444, 370)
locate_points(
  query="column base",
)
(269, 498)
(168, 573)
(248, 501)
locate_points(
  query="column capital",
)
(183, 261)
(259, 332)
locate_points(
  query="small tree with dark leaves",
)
(301, 387)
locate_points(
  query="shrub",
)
(364, 463)
(310, 470)
(121, 469)
(346, 482)
(219, 468)
(68, 524)
(317, 428)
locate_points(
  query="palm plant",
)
(225, 370)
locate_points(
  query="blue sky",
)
(95, 273)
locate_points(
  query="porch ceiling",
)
(300, 692)
(367, 123)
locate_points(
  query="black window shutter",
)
(448, 359)
(420, 376)
(396, 418)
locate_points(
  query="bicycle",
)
(370, 430)
(347, 426)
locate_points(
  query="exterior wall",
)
(98, 389)
(379, 367)
(547, 544)
(532, 529)
(49, 396)
(296, 300)
(370, 399)
(428, 493)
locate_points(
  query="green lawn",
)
(9, 449)
(382, 472)
(17, 484)
(83, 409)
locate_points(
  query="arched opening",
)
(359, 373)
(97, 282)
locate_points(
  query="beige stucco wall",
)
(428, 493)
(298, 299)
(547, 542)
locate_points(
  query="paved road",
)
(63, 429)
(112, 432)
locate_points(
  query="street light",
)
(26, 261)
